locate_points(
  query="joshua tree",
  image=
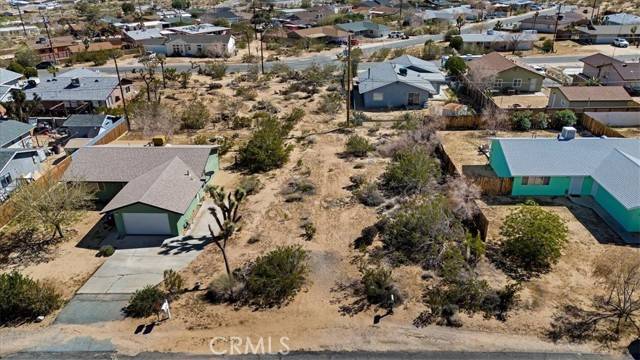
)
(228, 204)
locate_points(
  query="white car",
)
(620, 42)
(539, 68)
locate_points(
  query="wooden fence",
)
(464, 122)
(7, 209)
(597, 128)
(113, 134)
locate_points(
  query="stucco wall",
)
(558, 186)
(497, 160)
(629, 219)
(394, 95)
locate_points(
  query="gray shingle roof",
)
(85, 120)
(82, 72)
(5, 156)
(125, 163)
(361, 26)
(383, 74)
(8, 76)
(408, 60)
(143, 34)
(61, 89)
(171, 185)
(613, 162)
(11, 129)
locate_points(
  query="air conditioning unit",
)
(568, 133)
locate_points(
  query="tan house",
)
(206, 45)
(612, 72)
(581, 98)
(326, 33)
(499, 74)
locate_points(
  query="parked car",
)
(44, 65)
(396, 35)
(620, 42)
(538, 68)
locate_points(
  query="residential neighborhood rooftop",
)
(595, 93)
(88, 120)
(64, 89)
(11, 129)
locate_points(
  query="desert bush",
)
(247, 93)
(367, 235)
(358, 146)
(358, 118)
(251, 185)
(461, 194)
(249, 59)
(423, 137)
(145, 302)
(547, 45)
(330, 104)
(357, 180)
(266, 106)
(521, 120)
(266, 150)
(277, 276)
(24, 299)
(293, 118)
(540, 121)
(241, 122)
(369, 195)
(195, 116)
(411, 171)
(172, 282)
(298, 185)
(407, 121)
(532, 238)
(564, 118)
(106, 251)
(224, 289)
(456, 42)
(309, 230)
(421, 230)
(378, 286)
(213, 69)
(200, 139)
(226, 144)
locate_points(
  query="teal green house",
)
(607, 169)
(148, 190)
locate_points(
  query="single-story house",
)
(8, 81)
(621, 19)
(18, 31)
(603, 34)
(112, 44)
(402, 82)
(502, 74)
(15, 134)
(59, 44)
(16, 165)
(200, 29)
(612, 72)
(580, 98)
(148, 190)
(192, 45)
(365, 28)
(502, 40)
(81, 93)
(135, 37)
(607, 169)
(88, 125)
(547, 23)
(328, 33)
(450, 15)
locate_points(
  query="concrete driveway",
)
(139, 261)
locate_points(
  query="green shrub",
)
(24, 299)
(330, 104)
(532, 238)
(195, 116)
(540, 121)
(277, 276)
(521, 120)
(251, 185)
(241, 122)
(30, 72)
(172, 282)
(547, 45)
(247, 93)
(106, 251)
(223, 289)
(145, 302)
(214, 69)
(369, 195)
(411, 171)
(358, 146)
(407, 121)
(293, 118)
(455, 65)
(564, 118)
(456, 42)
(16, 67)
(200, 139)
(309, 230)
(358, 118)
(266, 150)
(378, 286)
(226, 144)
(421, 230)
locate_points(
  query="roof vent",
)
(402, 71)
(75, 82)
(568, 133)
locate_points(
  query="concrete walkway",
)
(139, 261)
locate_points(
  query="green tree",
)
(460, 22)
(411, 171)
(20, 108)
(532, 238)
(266, 150)
(26, 57)
(358, 146)
(456, 43)
(128, 8)
(180, 4)
(24, 299)
(455, 65)
(145, 302)
(564, 117)
(195, 116)
(521, 120)
(498, 25)
(547, 45)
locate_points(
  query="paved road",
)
(432, 355)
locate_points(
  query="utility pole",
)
(401, 20)
(44, 21)
(593, 9)
(261, 54)
(124, 100)
(555, 30)
(21, 20)
(535, 18)
(348, 79)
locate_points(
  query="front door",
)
(575, 188)
(414, 99)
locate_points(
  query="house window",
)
(517, 83)
(6, 180)
(535, 180)
(414, 98)
(378, 96)
(497, 83)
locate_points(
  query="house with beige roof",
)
(503, 75)
(610, 71)
(580, 98)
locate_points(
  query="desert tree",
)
(20, 108)
(495, 119)
(514, 41)
(148, 76)
(225, 213)
(461, 193)
(615, 306)
(51, 206)
(460, 23)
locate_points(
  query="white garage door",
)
(146, 224)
